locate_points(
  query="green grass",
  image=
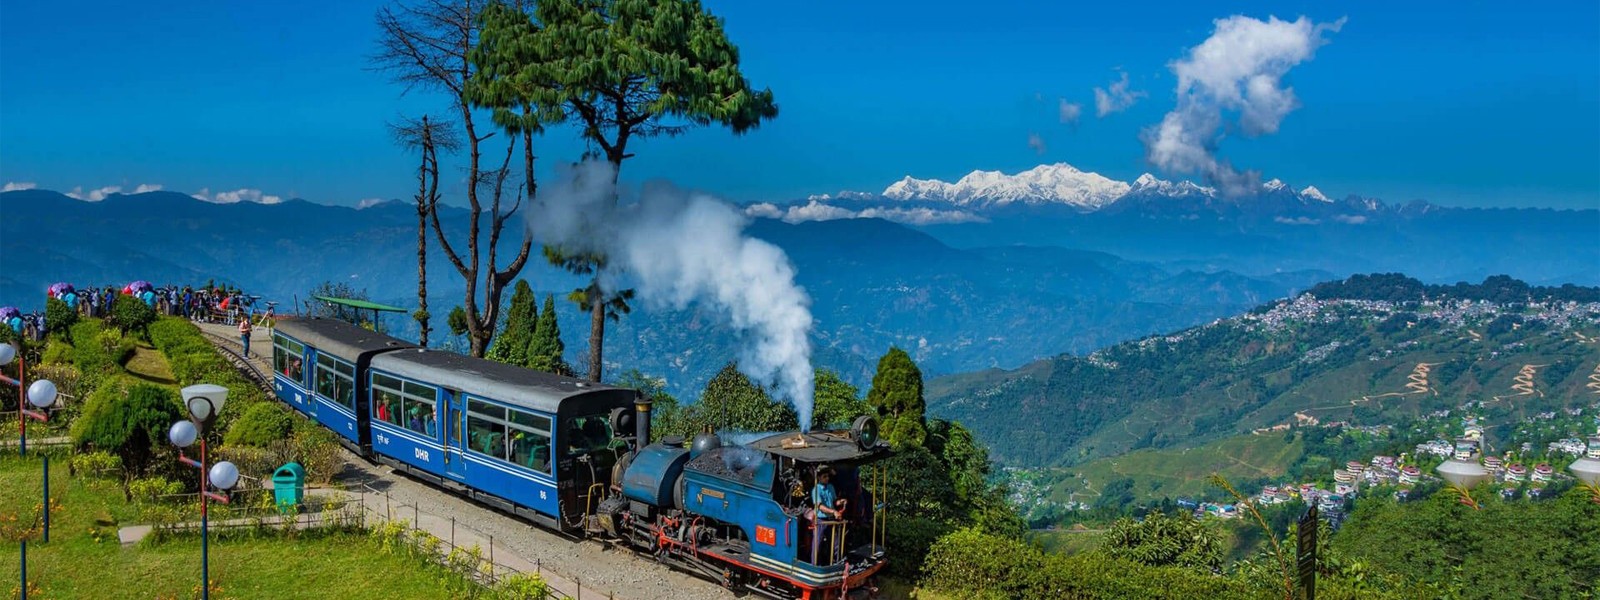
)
(84, 559)
(1183, 472)
(148, 364)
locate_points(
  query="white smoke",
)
(676, 247)
(1237, 70)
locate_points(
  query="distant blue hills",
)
(1027, 283)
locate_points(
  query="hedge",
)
(194, 360)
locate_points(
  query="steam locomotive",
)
(575, 457)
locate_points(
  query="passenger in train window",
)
(414, 420)
(431, 424)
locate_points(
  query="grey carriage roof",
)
(338, 338)
(819, 447)
(497, 381)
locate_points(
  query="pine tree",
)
(511, 346)
(897, 395)
(545, 349)
(622, 71)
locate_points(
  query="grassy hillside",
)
(1305, 361)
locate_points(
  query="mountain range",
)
(873, 283)
(1023, 278)
(1184, 225)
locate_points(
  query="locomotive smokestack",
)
(641, 420)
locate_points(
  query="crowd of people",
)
(208, 304)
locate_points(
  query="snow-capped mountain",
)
(1149, 184)
(981, 196)
(1059, 183)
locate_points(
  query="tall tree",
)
(426, 137)
(837, 402)
(511, 346)
(623, 70)
(426, 44)
(732, 402)
(545, 349)
(897, 395)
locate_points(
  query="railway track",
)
(245, 365)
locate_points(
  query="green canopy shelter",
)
(356, 306)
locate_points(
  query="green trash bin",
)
(289, 486)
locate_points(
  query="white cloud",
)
(1036, 143)
(368, 203)
(818, 211)
(1350, 219)
(1238, 70)
(1070, 111)
(239, 195)
(147, 187)
(94, 195)
(766, 210)
(17, 186)
(1297, 220)
(1115, 98)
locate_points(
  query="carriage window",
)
(486, 429)
(405, 404)
(287, 355)
(586, 434)
(530, 440)
(336, 380)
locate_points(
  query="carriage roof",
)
(339, 338)
(509, 384)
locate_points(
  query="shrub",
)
(151, 489)
(262, 424)
(95, 463)
(59, 317)
(132, 315)
(132, 426)
(970, 563)
(90, 357)
(57, 352)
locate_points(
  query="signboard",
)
(1306, 553)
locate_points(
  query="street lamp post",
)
(41, 395)
(1463, 471)
(203, 402)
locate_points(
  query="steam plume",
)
(675, 247)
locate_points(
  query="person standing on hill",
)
(244, 336)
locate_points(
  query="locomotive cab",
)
(748, 515)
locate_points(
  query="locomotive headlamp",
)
(865, 431)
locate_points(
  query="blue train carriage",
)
(538, 445)
(743, 515)
(316, 367)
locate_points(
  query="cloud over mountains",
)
(1232, 80)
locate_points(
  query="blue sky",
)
(1459, 103)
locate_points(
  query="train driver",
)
(828, 508)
